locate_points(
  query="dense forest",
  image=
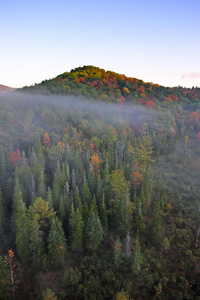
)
(99, 189)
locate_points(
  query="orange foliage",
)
(60, 146)
(168, 99)
(142, 89)
(137, 176)
(46, 140)
(95, 161)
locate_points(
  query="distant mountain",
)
(93, 82)
(4, 89)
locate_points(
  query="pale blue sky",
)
(153, 40)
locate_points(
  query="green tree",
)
(77, 231)
(56, 244)
(23, 231)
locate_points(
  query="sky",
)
(153, 40)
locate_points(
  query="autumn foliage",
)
(15, 157)
(150, 103)
(137, 177)
(46, 140)
(93, 146)
(95, 161)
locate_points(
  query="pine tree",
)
(23, 231)
(36, 246)
(77, 199)
(77, 231)
(56, 193)
(137, 257)
(93, 207)
(41, 186)
(103, 213)
(86, 213)
(86, 195)
(49, 197)
(40, 211)
(61, 210)
(143, 201)
(56, 243)
(93, 231)
(155, 228)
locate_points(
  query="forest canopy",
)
(99, 189)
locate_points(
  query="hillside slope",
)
(93, 82)
(4, 88)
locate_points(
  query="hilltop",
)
(4, 88)
(93, 82)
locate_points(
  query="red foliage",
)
(15, 156)
(194, 116)
(150, 103)
(92, 146)
(82, 80)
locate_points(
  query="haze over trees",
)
(99, 189)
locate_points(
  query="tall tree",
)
(56, 243)
(77, 231)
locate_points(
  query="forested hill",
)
(93, 82)
(99, 200)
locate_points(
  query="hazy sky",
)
(153, 40)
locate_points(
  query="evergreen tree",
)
(86, 195)
(103, 213)
(41, 185)
(56, 244)
(61, 210)
(23, 231)
(36, 246)
(93, 232)
(77, 199)
(49, 197)
(77, 231)
(137, 258)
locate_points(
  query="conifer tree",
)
(23, 231)
(86, 195)
(103, 213)
(61, 210)
(49, 197)
(41, 185)
(56, 243)
(77, 199)
(36, 246)
(93, 231)
(137, 257)
(77, 231)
